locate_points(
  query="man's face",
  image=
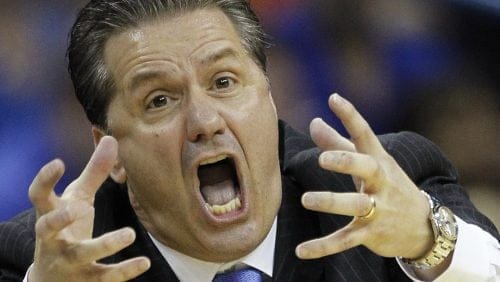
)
(197, 133)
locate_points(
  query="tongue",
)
(218, 182)
(219, 193)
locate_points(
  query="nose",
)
(203, 119)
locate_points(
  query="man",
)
(204, 178)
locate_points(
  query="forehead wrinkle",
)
(147, 74)
(213, 55)
(220, 31)
(139, 56)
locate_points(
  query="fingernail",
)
(56, 164)
(327, 157)
(318, 119)
(52, 170)
(322, 122)
(337, 99)
(318, 124)
(125, 235)
(309, 199)
(144, 264)
(301, 252)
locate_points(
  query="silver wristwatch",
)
(445, 230)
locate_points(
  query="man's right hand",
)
(65, 249)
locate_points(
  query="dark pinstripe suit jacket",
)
(418, 157)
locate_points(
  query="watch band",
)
(445, 230)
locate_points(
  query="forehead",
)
(188, 35)
(183, 26)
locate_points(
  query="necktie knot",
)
(241, 275)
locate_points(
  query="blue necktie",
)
(240, 275)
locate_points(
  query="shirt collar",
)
(187, 268)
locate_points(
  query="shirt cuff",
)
(476, 257)
(25, 279)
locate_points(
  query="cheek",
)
(255, 109)
(255, 125)
(261, 123)
(152, 161)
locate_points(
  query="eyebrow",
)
(222, 53)
(147, 75)
(153, 74)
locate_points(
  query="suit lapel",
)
(160, 269)
(295, 225)
(115, 214)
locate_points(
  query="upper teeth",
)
(213, 160)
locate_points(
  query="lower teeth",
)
(230, 206)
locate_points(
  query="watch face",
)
(447, 223)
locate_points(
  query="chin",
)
(232, 244)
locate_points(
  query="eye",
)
(158, 102)
(224, 83)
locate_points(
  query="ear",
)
(118, 174)
(272, 103)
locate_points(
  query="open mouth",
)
(219, 185)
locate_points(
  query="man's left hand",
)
(398, 225)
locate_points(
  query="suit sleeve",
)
(426, 165)
(17, 245)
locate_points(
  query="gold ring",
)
(371, 211)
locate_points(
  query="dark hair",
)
(100, 19)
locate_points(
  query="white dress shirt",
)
(190, 269)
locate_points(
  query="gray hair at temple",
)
(101, 19)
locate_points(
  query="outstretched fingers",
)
(361, 134)
(64, 225)
(41, 191)
(51, 223)
(106, 245)
(96, 171)
(343, 239)
(363, 166)
(383, 188)
(125, 270)
(350, 204)
(327, 138)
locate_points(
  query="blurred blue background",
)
(427, 66)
